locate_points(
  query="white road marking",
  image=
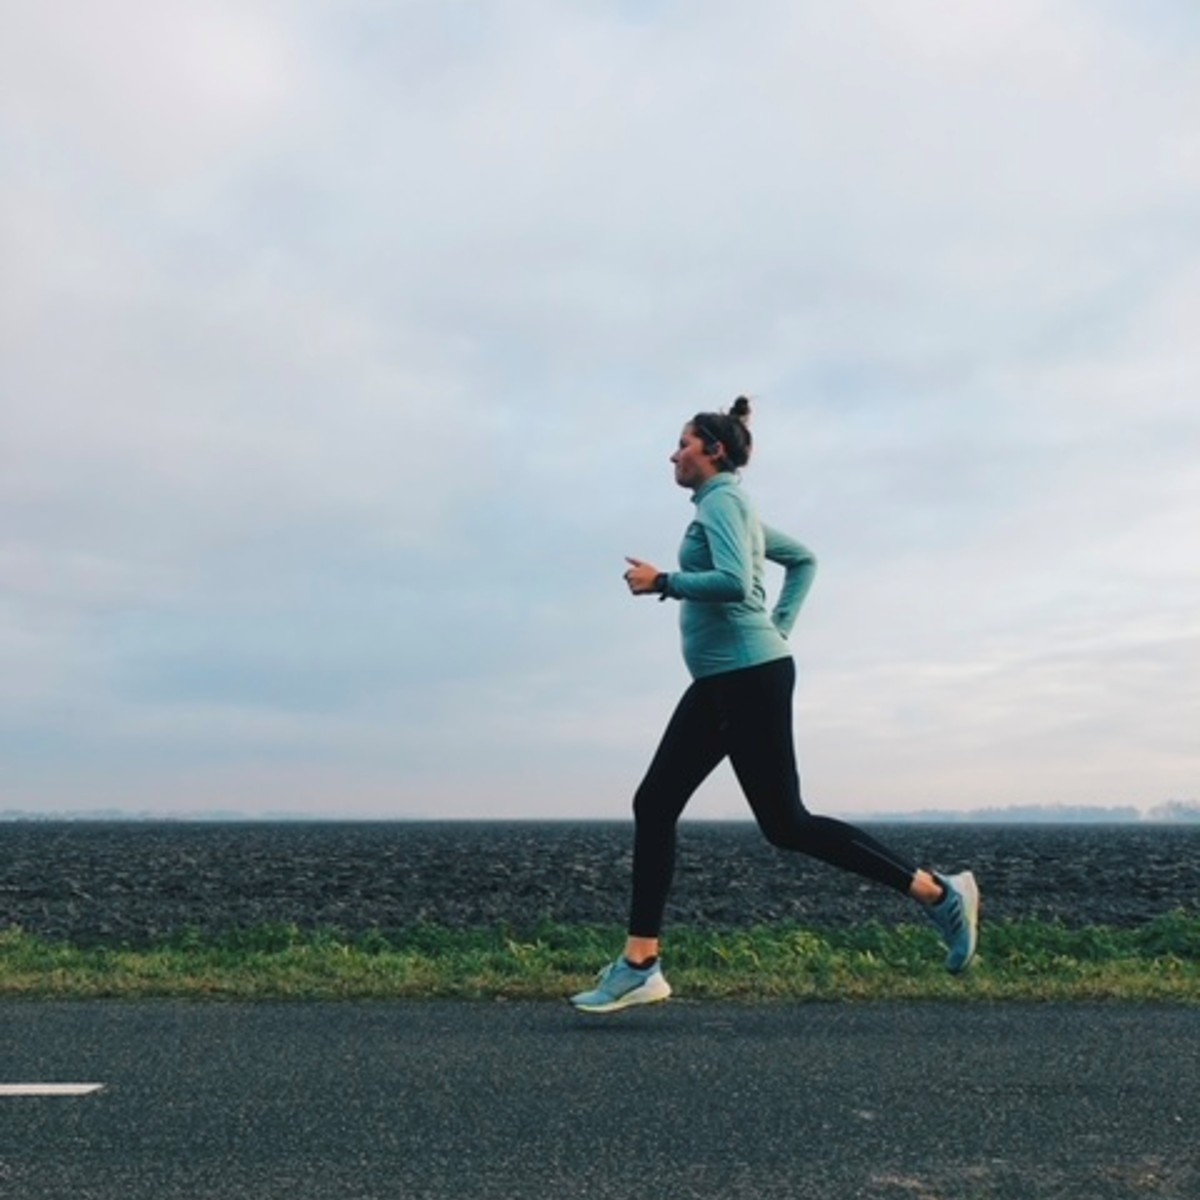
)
(49, 1089)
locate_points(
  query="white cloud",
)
(152, 93)
(342, 348)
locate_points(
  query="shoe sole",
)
(970, 896)
(641, 995)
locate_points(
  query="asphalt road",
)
(508, 1100)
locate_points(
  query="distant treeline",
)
(1053, 814)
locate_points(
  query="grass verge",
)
(1025, 960)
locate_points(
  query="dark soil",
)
(132, 883)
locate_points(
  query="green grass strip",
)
(1025, 960)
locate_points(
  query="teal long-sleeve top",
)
(723, 618)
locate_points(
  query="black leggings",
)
(746, 715)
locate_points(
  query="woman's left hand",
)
(641, 576)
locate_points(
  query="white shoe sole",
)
(654, 991)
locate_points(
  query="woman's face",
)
(693, 465)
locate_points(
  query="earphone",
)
(711, 442)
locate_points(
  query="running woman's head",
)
(712, 442)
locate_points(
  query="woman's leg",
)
(758, 706)
(762, 752)
(692, 745)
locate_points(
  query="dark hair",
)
(731, 429)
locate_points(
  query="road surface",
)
(905, 1101)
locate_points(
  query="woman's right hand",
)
(641, 577)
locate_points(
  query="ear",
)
(714, 449)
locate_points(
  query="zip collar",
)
(721, 479)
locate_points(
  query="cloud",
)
(342, 350)
(152, 94)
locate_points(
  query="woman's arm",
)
(800, 565)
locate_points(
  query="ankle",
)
(927, 889)
(639, 950)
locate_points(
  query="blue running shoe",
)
(957, 917)
(622, 986)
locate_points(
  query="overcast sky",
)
(343, 345)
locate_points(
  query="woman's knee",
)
(787, 831)
(656, 807)
(647, 809)
(782, 837)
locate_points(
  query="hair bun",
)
(741, 410)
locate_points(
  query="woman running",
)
(739, 706)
